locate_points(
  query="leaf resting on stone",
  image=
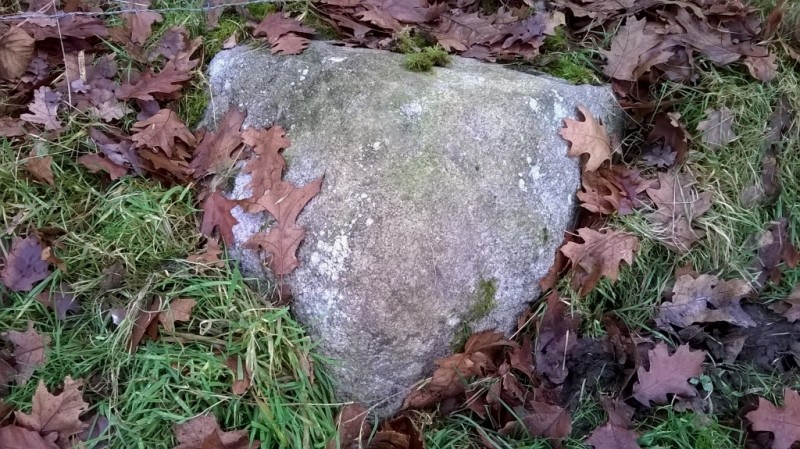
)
(587, 137)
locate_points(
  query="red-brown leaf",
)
(16, 52)
(668, 374)
(706, 299)
(40, 167)
(203, 432)
(587, 137)
(217, 214)
(162, 131)
(179, 309)
(215, 151)
(44, 109)
(557, 335)
(678, 205)
(97, 162)
(353, 427)
(781, 421)
(266, 167)
(151, 86)
(29, 352)
(275, 25)
(56, 413)
(241, 375)
(599, 255)
(14, 437)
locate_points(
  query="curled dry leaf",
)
(705, 299)
(668, 374)
(599, 255)
(56, 413)
(669, 139)
(542, 419)
(587, 137)
(781, 421)
(16, 52)
(29, 352)
(24, 265)
(763, 68)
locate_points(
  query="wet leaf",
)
(781, 421)
(668, 374)
(587, 137)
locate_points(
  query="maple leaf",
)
(678, 205)
(781, 421)
(557, 335)
(774, 247)
(241, 375)
(717, 127)
(284, 201)
(44, 108)
(19, 437)
(203, 432)
(40, 166)
(215, 149)
(162, 131)
(29, 352)
(179, 309)
(16, 53)
(616, 433)
(24, 265)
(266, 168)
(217, 214)
(705, 300)
(599, 255)
(56, 413)
(668, 374)
(628, 57)
(587, 137)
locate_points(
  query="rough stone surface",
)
(437, 186)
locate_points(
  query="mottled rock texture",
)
(446, 196)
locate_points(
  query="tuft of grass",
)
(688, 431)
(426, 59)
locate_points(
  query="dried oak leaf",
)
(668, 374)
(162, 131)
(68, 25)
(209, 255)
(215, 150)
(59, 413)
(29, 352)
(217, 214)
(633, 188)
(284, 201)
(617, 432)
(353, 426)
(705, 299)
(781, 421)
(717, 128)
(284, 34)
(587, 137)
(13, 437)
(24, 265)
(40, 167)
(172, 43)
(151, 86)
(179, 309)
(61, 300)
(599, 255)
(678, 205)
(145, 323)
(96, 163)
(16, 53)
(203, 432)
(241, 375)
(633, 51)
(44, 109)
(557, 335)
(267, 165)
(541, 419)
(140, 21)
(668, 137)
(789, 307)
(774, 247)
(599, 193)
(763, 68)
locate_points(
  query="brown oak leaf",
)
(290, 44)
(16, 53)
(670, 137)
(678, 205)
(215, 151)
(275, 25)
(162, 131)
(267, 165)
(24, 265)
(203, 432)
(140, 21)
(40, 166)
(29, 352)
(151, 86)
(179, 309)
(44, 109)
(241, 375)
(11, 127)
(705, 299)
(217, 214)
(587, 137)
(61, 300)
(763, 68)
(56, 413)
(557, 335)
(617, 432)
(774, 247)
(353, 427)
(209, 255)
(634, 51)
(284, 201)
(668, 374)
(13, 437)
(542, 419)
(97, 162)
(145, 323)
(781, 421)
(599, 194)
(717, 128)
(789, 307)
(68, 25)
(599, 255)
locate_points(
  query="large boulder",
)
(446, 196)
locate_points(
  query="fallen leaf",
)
(762, 68)
(14, 437)
(203, 432)
(97, 425)
(117, 148)
(616, 433)
(217, 214)
(67, 25)
(668, 141)
(587, 137)
(16, 53)
(113, 275)
(56, 413)
(40, 167)
(151, 86)
(678, 204)
(717, 128)
(179, 309)
(633, 188)
(557, 333)
(599, 193)
(145, 322)
(29, 352)
(352, 427)
(215, 150)
(284, 202)
(774, 247)
(44, 109)
(275, 25)
(172, 43)
(547, 420)
(781, 421)
(789, 307)
(668, 374)
(599, 255)
(290, 44)
(241, 375)
(11, 127)
(209, 256)
(24, 265)
(61, 301)
(97, 163)
(162, 131)
(267, 165)
(140, 21)
(629, 56)
(705, 299)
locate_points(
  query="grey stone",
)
(446, 196)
